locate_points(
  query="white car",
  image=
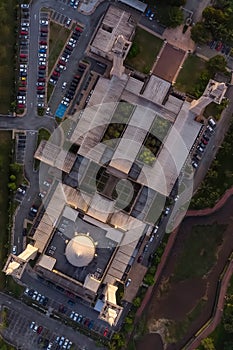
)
(42, 55)
(65, 103)
(72, 315)
(42, 63)
(64, 85)
(44, 22)
(68, 22)
(35, 328)
(64, 59)
(61, 341)
(71, 44)
(62, 67)
(43, 46)
(50, 346)
(128, 282)
(24, 6)
(40, 104)
(26, 291)
(166, 211)
(155, 229)
(72, 40)
(46, 183)
(25, 24)
(14, 249)
(32, 325)
(75, 317)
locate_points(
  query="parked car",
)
(128, 282)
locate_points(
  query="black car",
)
(68, 52)
(205, 137)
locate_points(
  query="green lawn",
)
(199, 251)
(43, 134)
(5, 149)
(57, 38)
(7, 52)
(147, 47)
(190, 74)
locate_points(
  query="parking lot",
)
(31, 334)
(72, 309)
(20, 144)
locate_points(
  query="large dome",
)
(80, 250)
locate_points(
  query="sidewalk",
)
(89, 6)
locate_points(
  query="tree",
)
(137, 302)
(12, 186)
(200, 34)
(208, 344)
(12, 178)
(134, 50)
(174, 17)
(216, 64)
(149, 279)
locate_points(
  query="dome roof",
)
(80, 250)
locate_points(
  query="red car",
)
(140, 259)
(39, 330)
(105, 332)
(42, 67)
(41, 80)
(23, 83)
(40, 87)
(56, 74)
(62, 63)
(86, 322)
(21, 105)
(204, 141)
(43, 42)
(78, 29)
(219, 46)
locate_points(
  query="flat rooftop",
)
(169, 63)
(115, 22)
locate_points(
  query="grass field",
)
(7, 52)
(5, 149)
(147, 47)
(189, 74)
(57, 38)
(199, 252)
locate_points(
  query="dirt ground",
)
(172, 301)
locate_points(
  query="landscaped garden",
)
(57, 38)
(118, 124)
(153, 140)
(201, 72)
(143, 51)
(193, 66)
